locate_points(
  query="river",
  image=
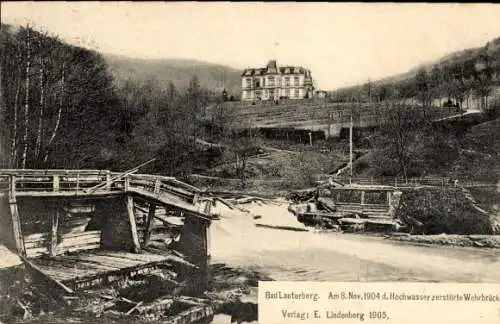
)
(291, 255)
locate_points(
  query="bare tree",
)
(59, 113)
(39, 137)
(398, 134)
(13, 162)
(27, 97)
(242, 146)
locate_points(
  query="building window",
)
(249, 82)
(296, 93)
(264, 82)
(287, 81)
(271, 81)
(287, 93)
(257, 83)
(296, 80)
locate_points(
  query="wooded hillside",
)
(459, 76)
(60, 108)
(213, 77)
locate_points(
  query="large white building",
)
(274, 82)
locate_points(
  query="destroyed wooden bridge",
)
(79, 230)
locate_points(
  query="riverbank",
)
(476, 241)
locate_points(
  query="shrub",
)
(443, 210)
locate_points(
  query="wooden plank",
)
(108, 261)
(157, 306)
(92, 261)
(36, 244)
(89, 264)
(64, 249)
(36, 252)
(79, 209)
(53, 238)
(38, 240)
(81, 240)
(149, 223)
(79, 234)
(111, 193)
(67, 270)
(136, 256)
(193, 315)
(127, 262)
(133, 227)
(76, 244)
(36, 237)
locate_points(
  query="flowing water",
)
(291, 255)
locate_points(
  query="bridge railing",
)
(402, 182)
(89, 181)
(55, 180)
(158, 184)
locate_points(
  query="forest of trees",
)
(59, 108)
(469, 74)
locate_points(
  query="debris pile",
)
(153, 296)
(234, 292)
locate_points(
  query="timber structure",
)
(81, 230)
(370, 207)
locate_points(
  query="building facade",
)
(276, 82)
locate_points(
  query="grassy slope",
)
(178, 71)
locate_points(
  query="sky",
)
(341, 43)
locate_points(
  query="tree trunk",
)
(39, 139)
(59, 113)
(13, 162)
(2, 123)
(26, 104)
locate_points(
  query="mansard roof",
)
(272, 68)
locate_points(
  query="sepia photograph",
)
(161, 161)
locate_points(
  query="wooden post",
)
(55, 183)
(362, 197)
(77, 182)
(127, 183)
(157, 186)
(16, 222)
(108, 180)
(133, 226)
(53, 236)
(149, 223)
